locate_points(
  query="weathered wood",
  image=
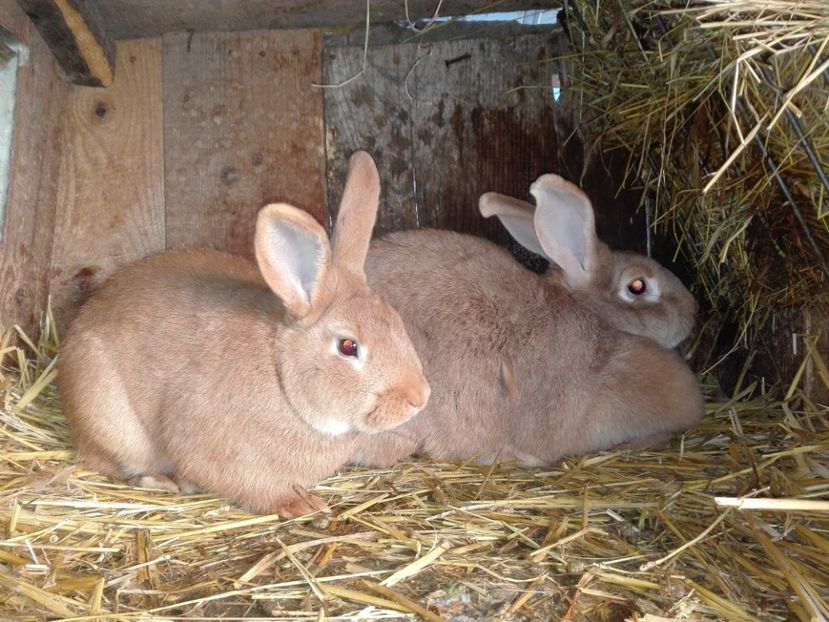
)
(111, 186)
(446, 123)
(13, 20)
(243, 127)
(389, 33)
(373, 113)
(26, 245)
(75, 33)
(141, 18)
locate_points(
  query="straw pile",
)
(723, 108)
(613, 536)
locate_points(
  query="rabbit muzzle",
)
(397, 405)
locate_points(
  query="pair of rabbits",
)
(196, 369)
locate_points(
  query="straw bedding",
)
(730, 523)
(610, 536)
(723, 110)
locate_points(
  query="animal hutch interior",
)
(700, 132)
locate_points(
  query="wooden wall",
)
(447, 121)
(199, 130)
(26, 245)
(195, 135)
(146, 18)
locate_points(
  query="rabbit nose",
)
(417, 394)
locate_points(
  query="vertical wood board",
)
(26, 246)
(111, 186)
(446, 122)
(243, 127)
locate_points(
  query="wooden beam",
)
(143, 18)
(74, 32)
(13, 20)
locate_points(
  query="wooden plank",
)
(74, 32)
(373, 113)
(445, 122)
(26, 245)
(13, 20)
(141, 18)
(111, 185)
(243, 126)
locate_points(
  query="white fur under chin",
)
(333, 427)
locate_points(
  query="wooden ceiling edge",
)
(77, 38)
(128, 19)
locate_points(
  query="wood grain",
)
(141, 18)
(26, 246)
(111, 185)
(446, 122)
(14, 20)
(373, 113)
(243, 127)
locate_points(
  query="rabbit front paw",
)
(300, 503)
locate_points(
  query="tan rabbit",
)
(535, 367)
(196, 370)
(632, 292)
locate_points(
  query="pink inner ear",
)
(565, 229)
(516, 216)
(293, 256)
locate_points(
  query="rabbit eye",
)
(637, 287)
(347, 347)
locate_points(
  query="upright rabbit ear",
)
(516, 216)
(358, 212)
(565, 228)
(294, 257)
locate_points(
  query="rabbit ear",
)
(565, 227)
(357, 214)
(294, 257)
(516, 216)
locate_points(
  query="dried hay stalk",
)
(610, 535)
(724, 110)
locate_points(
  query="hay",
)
(723, 108)
(611, 536)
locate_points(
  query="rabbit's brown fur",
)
(186, 371)
(527, 366)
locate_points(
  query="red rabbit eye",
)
(348, 347)
(637, 287)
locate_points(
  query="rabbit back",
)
(518, 368)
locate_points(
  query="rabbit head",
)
(630, 291)
(343, 355)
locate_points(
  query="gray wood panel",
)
(446, 122)
(141, 18)
(26, 246)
